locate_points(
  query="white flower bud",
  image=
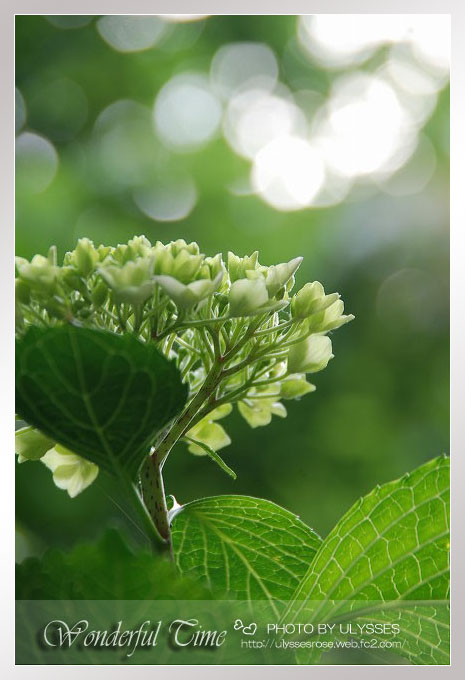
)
(295, 386)
(310, 355)
(239, 266)
(182, 265)
(247, 296)
(132, 282)
(278, 275)
(311, 299)
(85, 257)
(30, 444)
(70, 472)
(39, 273)
(186, 296)
(329, 319)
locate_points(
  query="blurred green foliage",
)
(382, 406)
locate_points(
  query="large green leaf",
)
(101, 395)
(388, 554)
(424, 631)
(245, 548)
(105, 570)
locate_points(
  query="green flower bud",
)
(185, 266)
(182, 265)
(255, 274)
(278, 275)
(39, 274)
(30, 444)
(295, 386)
(99, 294)
(211, 267)
(247, 296)
(132, 282)
(179, 245)
(70, 472)
(104, 252)
(310, 355)
(22, 291)
(238, 266)
(329, 319)
(311, 299)
(122, 254)
(186, 296)
(85, 257)
(140, 246)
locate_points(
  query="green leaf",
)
(103, 396)
(245, 548)
(424, 631)
(390, 549)
(213, 455)
(105, 570)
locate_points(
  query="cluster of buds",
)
(237, 334)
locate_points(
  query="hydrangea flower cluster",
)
(235, 330)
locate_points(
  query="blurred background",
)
(323, 136)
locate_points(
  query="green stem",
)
(153, 493)
(214, 334)
(206, 342)
(275, 329)
(188, 346)
(191, 323)
(139, 505)
(183, 423)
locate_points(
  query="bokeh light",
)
(170, 199)
(123, 149)
(364, 129)
(187, 113)
(339, 40)
(131, 33)
(69, 21)
(288, 172)
(183, 18)
(237, 66)
(36, 163)
(254, 118)
(430, 37)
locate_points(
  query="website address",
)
(363, 643)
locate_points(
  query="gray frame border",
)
(456, 8)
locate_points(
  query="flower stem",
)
(153, 490)
(153, 493)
